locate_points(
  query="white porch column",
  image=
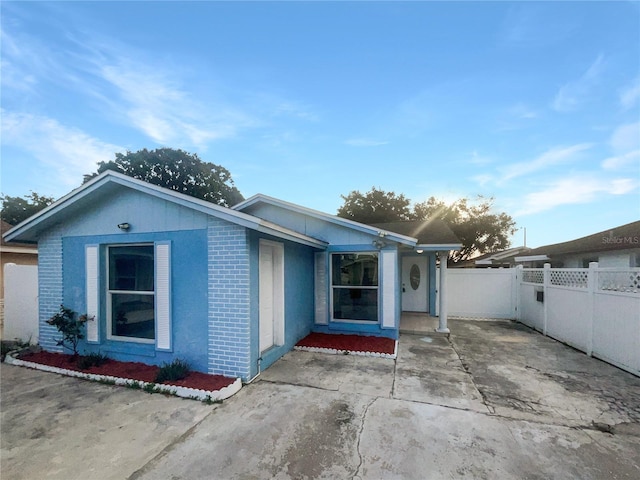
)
(442, 300)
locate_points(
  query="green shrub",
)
(71, 326)
(92, 360)
(176, 370)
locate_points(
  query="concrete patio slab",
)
(494, 400)
(428, 370)
(344, 373)
(61, 427)
(523, 374)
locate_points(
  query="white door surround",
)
(271, 297)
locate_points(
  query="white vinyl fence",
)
(481, 293)
(20, 303)
(596, 310)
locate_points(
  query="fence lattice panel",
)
(619, 281)
(566, 277)
(533, 276)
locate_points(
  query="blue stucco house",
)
(165, 275)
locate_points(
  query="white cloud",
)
(575, 190)
(156, 104)
(630, 95)
(573, 94)
(553, 156)
(626, 138)
(70, 151)
(365, 142)
(482, 179)
(622, 161)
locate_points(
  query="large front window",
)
(354, 286)
(131, 292)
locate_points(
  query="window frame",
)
(376, 287)
(109, 296)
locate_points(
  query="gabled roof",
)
(29, 230)
(623, 237)
(395, 236)
(428, 233)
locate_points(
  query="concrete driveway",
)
(493, 401)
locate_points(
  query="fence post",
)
(545, 298)
(516, 282)
(592, 287)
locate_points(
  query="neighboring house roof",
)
(108, 182)
(429, 235)
(503, 257)
(624, 237)
(25, 248)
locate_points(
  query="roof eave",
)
(239, 218)
(436, 247)
(260, 198)
(531, 258)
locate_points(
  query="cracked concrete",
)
(493, 400)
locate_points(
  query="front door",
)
(271, 294)
(415, 284)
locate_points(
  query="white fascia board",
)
(484, 262)
(531, 258)
(56, 206)
(22, 250)
(433, 247)
(361, 227)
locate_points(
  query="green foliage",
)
(17, 209)
(474, 222)
(176, 370)
(479, 228)
(376, 206)
(92, 360)
(208, 400)
(71, 326)
(177, 170)
(135, 385)
(106, 381)
(151, 388)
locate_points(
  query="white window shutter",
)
(163, 296)
(389, 267)
(92, 271)
(321, 288)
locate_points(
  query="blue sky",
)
(536, 104)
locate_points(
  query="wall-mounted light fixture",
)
(379, 243)
(124, 226)
(419, 251)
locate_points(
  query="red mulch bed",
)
(352, 343)
(130, 370)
